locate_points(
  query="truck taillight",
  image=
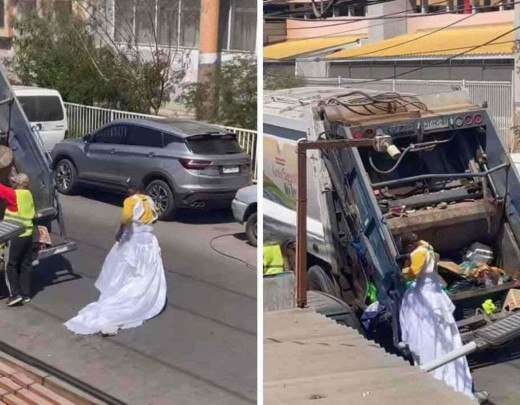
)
(468, 120)
(193, 164)
(357, 134)
(477, 119)
(369, 133)
(459, 121)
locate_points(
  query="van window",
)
(42, 108)
(214, 144)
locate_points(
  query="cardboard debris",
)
(450, 266)
(512, 301)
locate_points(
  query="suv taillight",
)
(194, 164)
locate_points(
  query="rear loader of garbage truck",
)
(451, 183)
(27, 155)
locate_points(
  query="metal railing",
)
(83, 119)
(497, 95)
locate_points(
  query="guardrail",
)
(83, 119)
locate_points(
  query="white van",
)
(45, 110)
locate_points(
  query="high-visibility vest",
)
(273, 260)
(25, 213)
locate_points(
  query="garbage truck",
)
(27, 154)
(445, 178)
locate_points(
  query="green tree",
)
(66, 53)
(235, 85)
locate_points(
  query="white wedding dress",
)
(132, 284)
(430, 331)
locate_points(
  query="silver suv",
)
(180, 163)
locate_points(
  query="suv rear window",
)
(214, 144)
(141, 136)
(42, 108)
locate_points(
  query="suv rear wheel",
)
(251, 225)
(162, 196)
(65, 176)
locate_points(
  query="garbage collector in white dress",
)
(132, 284)
(427, 323)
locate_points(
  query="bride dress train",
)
(132, 285)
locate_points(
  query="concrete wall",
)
(312, 28)
(390, 27)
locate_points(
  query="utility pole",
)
(208, 54)
(516, 79)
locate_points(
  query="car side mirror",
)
(87, 138)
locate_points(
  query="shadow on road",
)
(52, 271)
(185, 216)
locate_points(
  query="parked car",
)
(179, 163)
(45, 111)
(244, 211)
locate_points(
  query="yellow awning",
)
(446, 42)
(294, 48)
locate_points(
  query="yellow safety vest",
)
(273, 260)
(26, 212)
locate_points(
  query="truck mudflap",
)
(500, 330)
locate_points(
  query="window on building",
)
(237, 25)
(145, 20)
(168, 22)
(2, 14)
(124, 21)
(243, 35)
(145, 14)
(190, 19)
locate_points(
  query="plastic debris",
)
(489, 307)
(479, 253)
(371, 312)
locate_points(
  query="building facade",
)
(149, 24)
(392, 46)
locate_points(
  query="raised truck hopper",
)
(29, 156)
(455, 186)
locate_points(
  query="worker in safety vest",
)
(273, 260)
(19, 208)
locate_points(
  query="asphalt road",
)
(203, 345)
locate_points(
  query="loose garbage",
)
(475, 270)
(427, 322)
